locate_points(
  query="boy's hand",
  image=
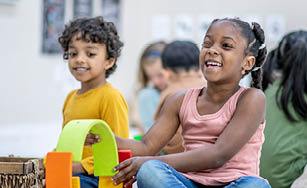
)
(77, 168)
(92, 139)
(127, 170)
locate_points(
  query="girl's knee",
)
(249, 182)
(149, 168)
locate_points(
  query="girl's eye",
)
(206, 44)
(227, 45)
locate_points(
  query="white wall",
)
(33, 86)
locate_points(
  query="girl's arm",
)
(160, 133)
(249, 114)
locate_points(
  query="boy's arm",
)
(114, 111)
(86, 165)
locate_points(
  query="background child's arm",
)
(160, 133)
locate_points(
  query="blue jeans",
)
(87, 181)
(157, 174)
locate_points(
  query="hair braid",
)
(260, 55)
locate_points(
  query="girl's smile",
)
(212, 65)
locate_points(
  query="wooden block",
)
(59, 170)
(75, 182)
(124, 154)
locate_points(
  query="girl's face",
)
(88, 61)
(222, 54)
(156, 74)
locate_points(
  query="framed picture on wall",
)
(83, 8)
(111, 12)
(8, 2)
(53, 24)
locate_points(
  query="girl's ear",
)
(248, 63)
(109, 63)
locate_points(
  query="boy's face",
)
(88, 61)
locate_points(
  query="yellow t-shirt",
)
(106, 103)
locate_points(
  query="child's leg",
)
(249, 182)
(156, 174)
(87, 181)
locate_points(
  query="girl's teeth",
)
(214, 64)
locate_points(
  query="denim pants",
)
(157, 174)
(87, 181)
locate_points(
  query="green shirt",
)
(284, 152)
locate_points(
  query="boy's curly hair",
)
(95, 30)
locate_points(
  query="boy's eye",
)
(72, 54)
(89, 54)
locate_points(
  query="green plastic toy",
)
(105, 152)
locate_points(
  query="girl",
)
(222, 124)
(284, 150)
(152, 79)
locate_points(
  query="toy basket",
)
(16, 172)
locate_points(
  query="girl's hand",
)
(127, 170)
(92, 139)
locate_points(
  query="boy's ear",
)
(109, 63)
(248, 63)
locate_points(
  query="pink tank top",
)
(203, 130)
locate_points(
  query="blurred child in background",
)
(152, 80)
(181, 60)
(284, 152)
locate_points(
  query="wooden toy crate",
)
(17, 172)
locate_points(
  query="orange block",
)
(59, 170)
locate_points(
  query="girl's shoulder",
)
(251, 97)
(252, 93)
(177, 97)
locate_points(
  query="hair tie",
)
(152, 54)
(261, 46)
(251, 26)
(256, 68)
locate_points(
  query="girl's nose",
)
(212, 51)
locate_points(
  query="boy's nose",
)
(80, 59)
